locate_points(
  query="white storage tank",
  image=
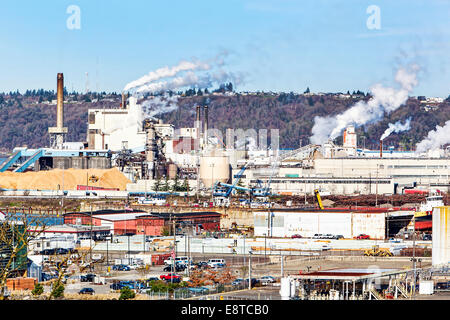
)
(426, 287)
(214, 167)
(441, 236)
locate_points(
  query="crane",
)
(319, 199)
(222, 191)
(260, 192)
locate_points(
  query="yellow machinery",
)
(319, 200)
(377, 252)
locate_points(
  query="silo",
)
(214, 167)
(441, 236)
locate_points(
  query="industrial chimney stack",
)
(205, 125)
(58, 133)
(124, 100)
(197, 121)
(381, 148)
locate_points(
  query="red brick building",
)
(151, 224)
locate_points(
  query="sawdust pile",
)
(69, 178)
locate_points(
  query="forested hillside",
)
(25, 118)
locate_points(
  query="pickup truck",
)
(170, 276)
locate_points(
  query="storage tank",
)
(441, 236)
(214, 167)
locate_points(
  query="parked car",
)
(202, 264)
(427, 237)
(362, 236)
(198, 290)
(170, 277)
(296, 236)
(86, 291)
(178, 260)
(152, 279)
(178, 268)
(317, 236)
(339, 236)
(116, 286)
(121, 267)
(266, 280)
(237, 282)
(216, 263)
(254, 282)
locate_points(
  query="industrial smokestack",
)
(124, 100)
(197, 121)
(381, 148)
(205, 124)
(57, 133)
(60, 101)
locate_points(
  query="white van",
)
(178, 260)
(216, 263)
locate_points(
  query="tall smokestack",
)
(197, 121)
(124, 100)
(205, 124)
(381, 148)
(60, 101)
(57, 133)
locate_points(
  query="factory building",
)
(121, 222)
(351, 175)
(116, 129)
(375, 222)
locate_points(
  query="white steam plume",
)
(435, 138)
(383, 100)
(159, 105)
(195, 73)
(396, 127)
(167, 72)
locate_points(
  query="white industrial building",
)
(441, 236)
(351, 175)
(285, 223)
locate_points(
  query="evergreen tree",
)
(176, 184)
(166, 185)
(157, 185)
(185, 186)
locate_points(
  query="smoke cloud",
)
(435, 138)
(396, 127)
(167, 72)
(158, 105)
(383, 100)
(194, 74)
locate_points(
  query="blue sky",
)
(282, 45)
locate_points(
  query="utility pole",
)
(414, 254)
(90, 244)
(244, 250)
(250, 270)
(265, 247)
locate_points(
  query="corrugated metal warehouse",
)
(346, 222)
